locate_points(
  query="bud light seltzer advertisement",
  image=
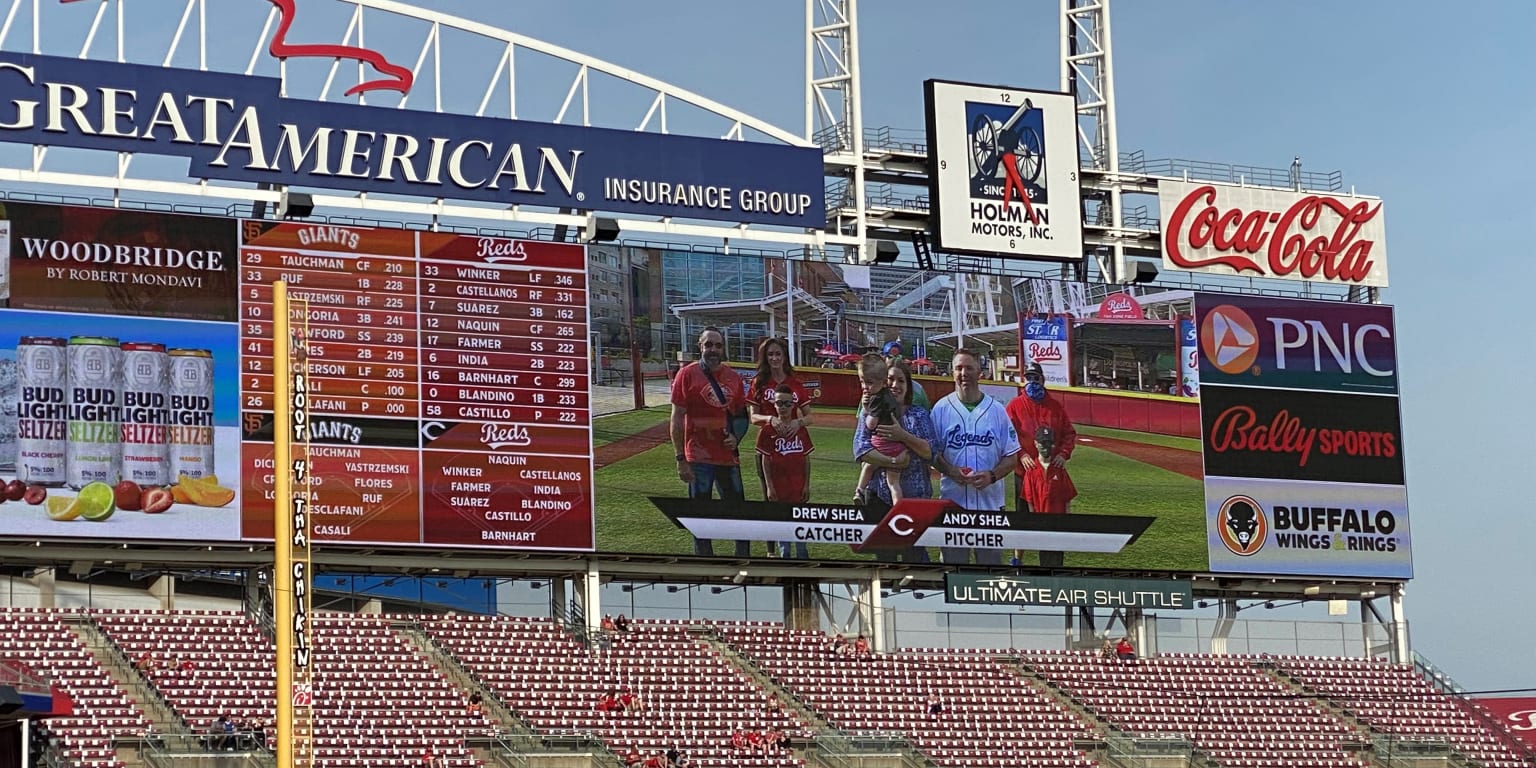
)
(1302, 437)
(118, 363)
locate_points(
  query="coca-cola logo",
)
(1239, 429)
(505, 436)
(1317, 236)
(786, 446)
(498, 250)
(1045, 353)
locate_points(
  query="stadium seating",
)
(1230, 709)
(41, 640)
(380, 702)
(993, 717)
(691, 697)
(377, 701)
(1396, 700)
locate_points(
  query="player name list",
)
(447, 385)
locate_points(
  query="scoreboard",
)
(448, 380)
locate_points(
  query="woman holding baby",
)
(897, 453)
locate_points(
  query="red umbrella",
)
(922, 361)
(827, 350)
(850, 358)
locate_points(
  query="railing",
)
(1406, 751)
(1139, 751)
(844, 750)
(904, 140)
(510, 750)
(582, 741)
(137, 686)
(1136, 162)
(1436, 676)
(201, 751)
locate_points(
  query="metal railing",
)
(847, 750)
(1231, 173)
(1139, 751)
(240, 750)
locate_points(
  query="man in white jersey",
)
(977, 446)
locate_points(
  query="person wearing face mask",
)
(1029, 412)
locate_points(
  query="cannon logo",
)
(1007, 159)
(1242, 525)
(1229, 339)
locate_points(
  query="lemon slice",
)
(96, 502)
(63, 507)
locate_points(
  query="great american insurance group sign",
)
(238, 128)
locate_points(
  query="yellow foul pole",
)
(291, 569)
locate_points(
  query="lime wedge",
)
(63, 507)
(96, 502)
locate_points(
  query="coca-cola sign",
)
(1274, 233)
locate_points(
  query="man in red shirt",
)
(709, 418)
(1031, 410)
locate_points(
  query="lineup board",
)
(448, 384)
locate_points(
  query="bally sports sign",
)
(1274, 233)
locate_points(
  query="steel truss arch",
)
(108, 32)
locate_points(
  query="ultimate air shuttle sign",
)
(237, 128)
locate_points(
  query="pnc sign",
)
(1265, 342)
(1255, 232)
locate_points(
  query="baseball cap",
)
(1034, 370)
(1045, 435)
(891, 347)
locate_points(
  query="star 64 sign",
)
(1255, 232)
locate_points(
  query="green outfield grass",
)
(1107, 484)
(1167, 441)
(606, 429)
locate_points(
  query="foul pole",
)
(291, 569)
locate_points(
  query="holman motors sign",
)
(238, 128)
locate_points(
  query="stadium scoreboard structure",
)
(449, 374)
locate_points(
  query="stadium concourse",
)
(457, 690)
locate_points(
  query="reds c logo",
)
(399, 78)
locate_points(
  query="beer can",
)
(191, 412)
(146, 413)
(41, 436)
(95, 415)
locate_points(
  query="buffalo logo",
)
(1242, 525)
(1229, 339)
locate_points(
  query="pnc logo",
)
(1242, 525)
(1229, 339)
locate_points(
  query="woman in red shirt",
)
(782, 434)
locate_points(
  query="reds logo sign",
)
(1272, 233)
(1044, 353)
(398, 78)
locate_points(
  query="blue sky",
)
(1411, 100)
